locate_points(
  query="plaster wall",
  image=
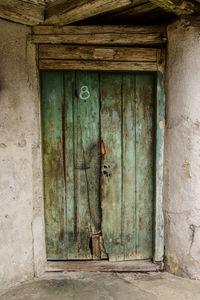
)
(21, 212)
(182, 151)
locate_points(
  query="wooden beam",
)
(66, 12)
(99, 65)
(178, 7)
(103, 266)
(135, 10)
(98, 53)
(22, 12)
(99, 35)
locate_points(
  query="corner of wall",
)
(182, 160)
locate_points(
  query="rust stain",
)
(174, 266)
(103, 149)
(116, 90)
(104, 92)
(145, 96)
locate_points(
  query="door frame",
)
(103, 58)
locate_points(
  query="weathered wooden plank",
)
(66, 12)
(41, 2)
(54, 184)
(128, 178)
(100, 35)
(22, 12)
(103, 266)
(136, 9)
(98, 53)
(178, 7)
(144, 164)
(97, 29)
(101, 39)
(71, 245)
(160, 119)
(88, 161)
(81, 216)
(54, 64)
(111, 190)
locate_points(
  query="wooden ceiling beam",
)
(21, 12)
(178, 7)
(66, 12)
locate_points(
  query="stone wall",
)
(21, 212)
(182, 151)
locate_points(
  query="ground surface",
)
(106, 286)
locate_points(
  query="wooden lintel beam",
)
(66, 12)
(99, 35)
(56, 64)
(72, 52)
(178, 7)
(21, 12)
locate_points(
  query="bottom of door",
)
(103, 266)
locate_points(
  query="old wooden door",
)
(97, 130)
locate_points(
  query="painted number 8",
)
(84, 94)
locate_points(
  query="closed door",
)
(97, 131)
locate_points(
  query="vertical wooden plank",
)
(160, 120)
(128, 140)
(144, 164)
(54, 184)
(69, 87)
(111, 117)
(87, 162)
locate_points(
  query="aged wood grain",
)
(98, 53)
(23, 12)
(100, 35)
(144, 164)
(101, 39)
(178, 7)
(71, 205)
(87, 163)
(97, 29)
(54, 185)
(51, 64)
(78, 110)
(103, 266)
(160, 120)
(129, 167)
(111, 118)
(136, 9)
(66, 12)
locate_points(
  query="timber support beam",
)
(66, 12)
(22, 12)
(100, 35)
(178, 7)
